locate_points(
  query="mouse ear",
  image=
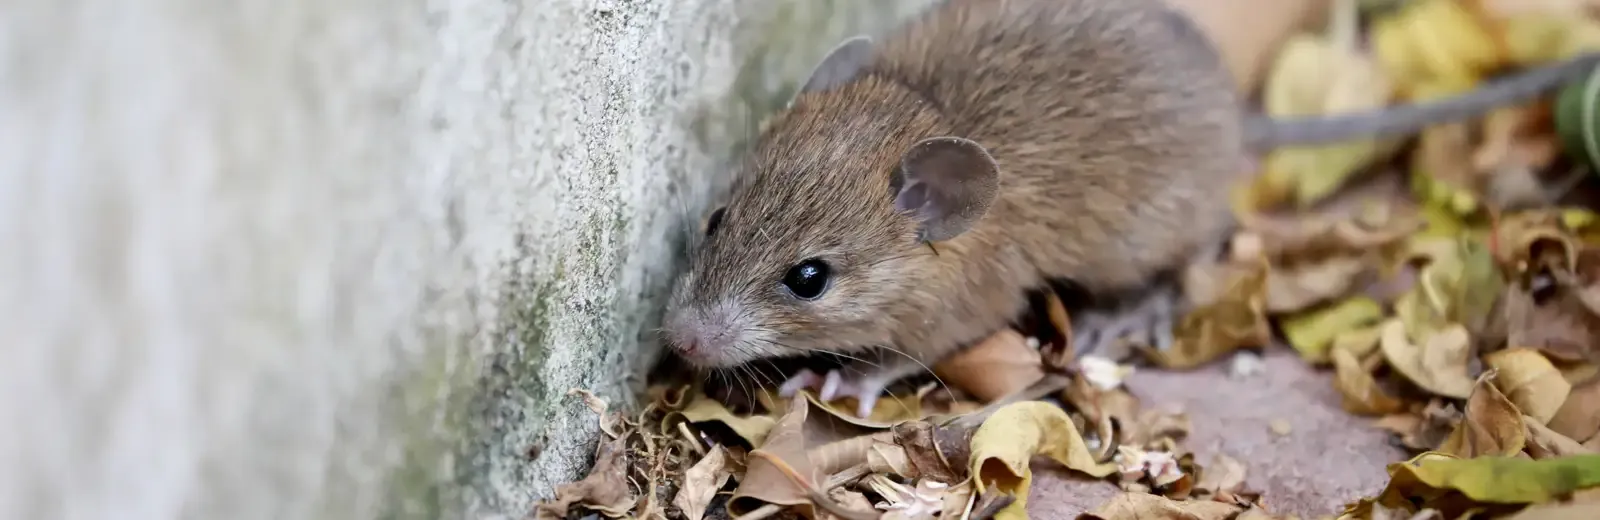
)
(841, 65)
(947, 183)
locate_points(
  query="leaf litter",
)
(1449, 283)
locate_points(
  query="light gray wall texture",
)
(277, 259)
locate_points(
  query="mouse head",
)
(823, 240)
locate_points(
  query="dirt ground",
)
(1327, 458)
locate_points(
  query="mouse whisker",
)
(929, 370)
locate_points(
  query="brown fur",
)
(1116, 130)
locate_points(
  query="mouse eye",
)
(807, 280)
(714, 221)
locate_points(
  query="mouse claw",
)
(831, 384)
(802, 380)
(867, 402)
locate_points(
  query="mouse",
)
(914, 188)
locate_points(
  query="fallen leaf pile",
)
(923, 454)
(1447, 281)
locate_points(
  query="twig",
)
(1049, 384)
(759, 513)
(990, 503)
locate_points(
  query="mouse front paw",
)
(866, 389)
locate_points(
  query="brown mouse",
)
(916, 188)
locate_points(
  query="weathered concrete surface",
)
(312, 259)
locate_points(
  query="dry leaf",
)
(778, 472)
(1058, 353)
(798, 454)
(1003, 445)
(1584, 505)
(1437, 46)
(1360, 392)
(1439, 364)
(1579, 417)
(1428, 480)
(1291, 289)
(957, 499)
(994, 368)
(1543, 443)
(1530, 381)
(886, 412)
(1317, 76)
(605, 490)
(1155, 425)
(1236, 320)
(1147, 467)
(703, 408)
(1223, 475)
(1319, 235)
(701, 482)
(1561, 325)
(1492, 425)
(920, 443)
(1518, 142)
(902, 502)
(1360, 342)
(1103, 373)
(1424, 430)
(1312, 333)
(1144, 506)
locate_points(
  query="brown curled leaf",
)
(1237, 319)
(993, 368)
(1544, 443)
(701, 482)
(604, 490)
(1491, 425)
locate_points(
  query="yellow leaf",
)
(1530, 381)
(1003, 445)
(1438, 364)
(1533, 38)
(1492, 425)
(1490, 480)
(1361, 393)
(1437, 41)
(1358, 342)
(1584, 505)
(1145, 506)
(1313, 332)
(703, 408)
(1314, 76)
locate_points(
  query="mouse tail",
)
(1264, 133)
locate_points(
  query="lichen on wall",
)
(309, 259)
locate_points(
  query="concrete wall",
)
(342, 259)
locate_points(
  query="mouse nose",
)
(695, 337)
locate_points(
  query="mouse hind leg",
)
(1110, 330)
